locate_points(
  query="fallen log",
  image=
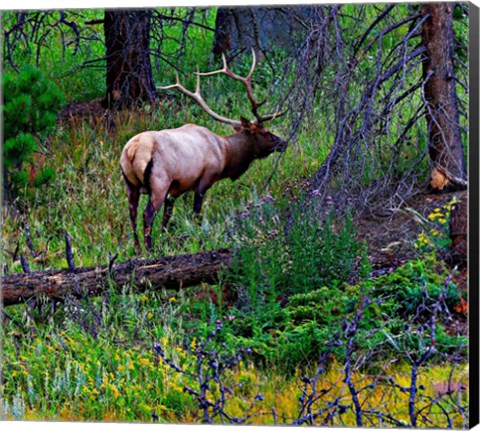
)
(172, 272)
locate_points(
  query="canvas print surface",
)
(250, 215)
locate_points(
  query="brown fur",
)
(188, 158)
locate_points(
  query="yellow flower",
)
(144, 361)
(143, 298)
(120, 368)
(172, 299)
(150, 315)
(117, 357)
(115, 391)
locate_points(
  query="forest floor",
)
(391, 242)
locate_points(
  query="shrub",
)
(314, 253)
(323, 252)
(31, 106)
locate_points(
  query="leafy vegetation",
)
(30, 113)
(300, 323)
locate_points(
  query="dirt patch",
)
(390, 241)
(91, 111)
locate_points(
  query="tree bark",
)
(263, 29)
(445, 143)
(129, 69)
(458, 227)
(167, 272)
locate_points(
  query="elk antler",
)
(247, 81)
(199, 99)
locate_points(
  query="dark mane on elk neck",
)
(168, 163)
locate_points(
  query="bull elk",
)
(165, 164)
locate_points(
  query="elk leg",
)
(197, 202)
(148, 217)
(133, 194)
(200, 191)
(157, 196)
(167, 211)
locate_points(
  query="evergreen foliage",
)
(32, 103)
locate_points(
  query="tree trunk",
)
(459, 232)
(167, 272)
(129, 69)
(264, 29)
(445, 143)
(223, 25)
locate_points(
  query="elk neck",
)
(240, 152)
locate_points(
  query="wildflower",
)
(172, 299)
(115, 391)
(120, 368)
(144, 361)
(150, 315)
(143, 298)
(117, 357)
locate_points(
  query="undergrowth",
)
(316, 331)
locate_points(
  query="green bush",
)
(323, 253)
(32, 103)
(270, 263)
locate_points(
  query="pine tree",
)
(31, 106)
